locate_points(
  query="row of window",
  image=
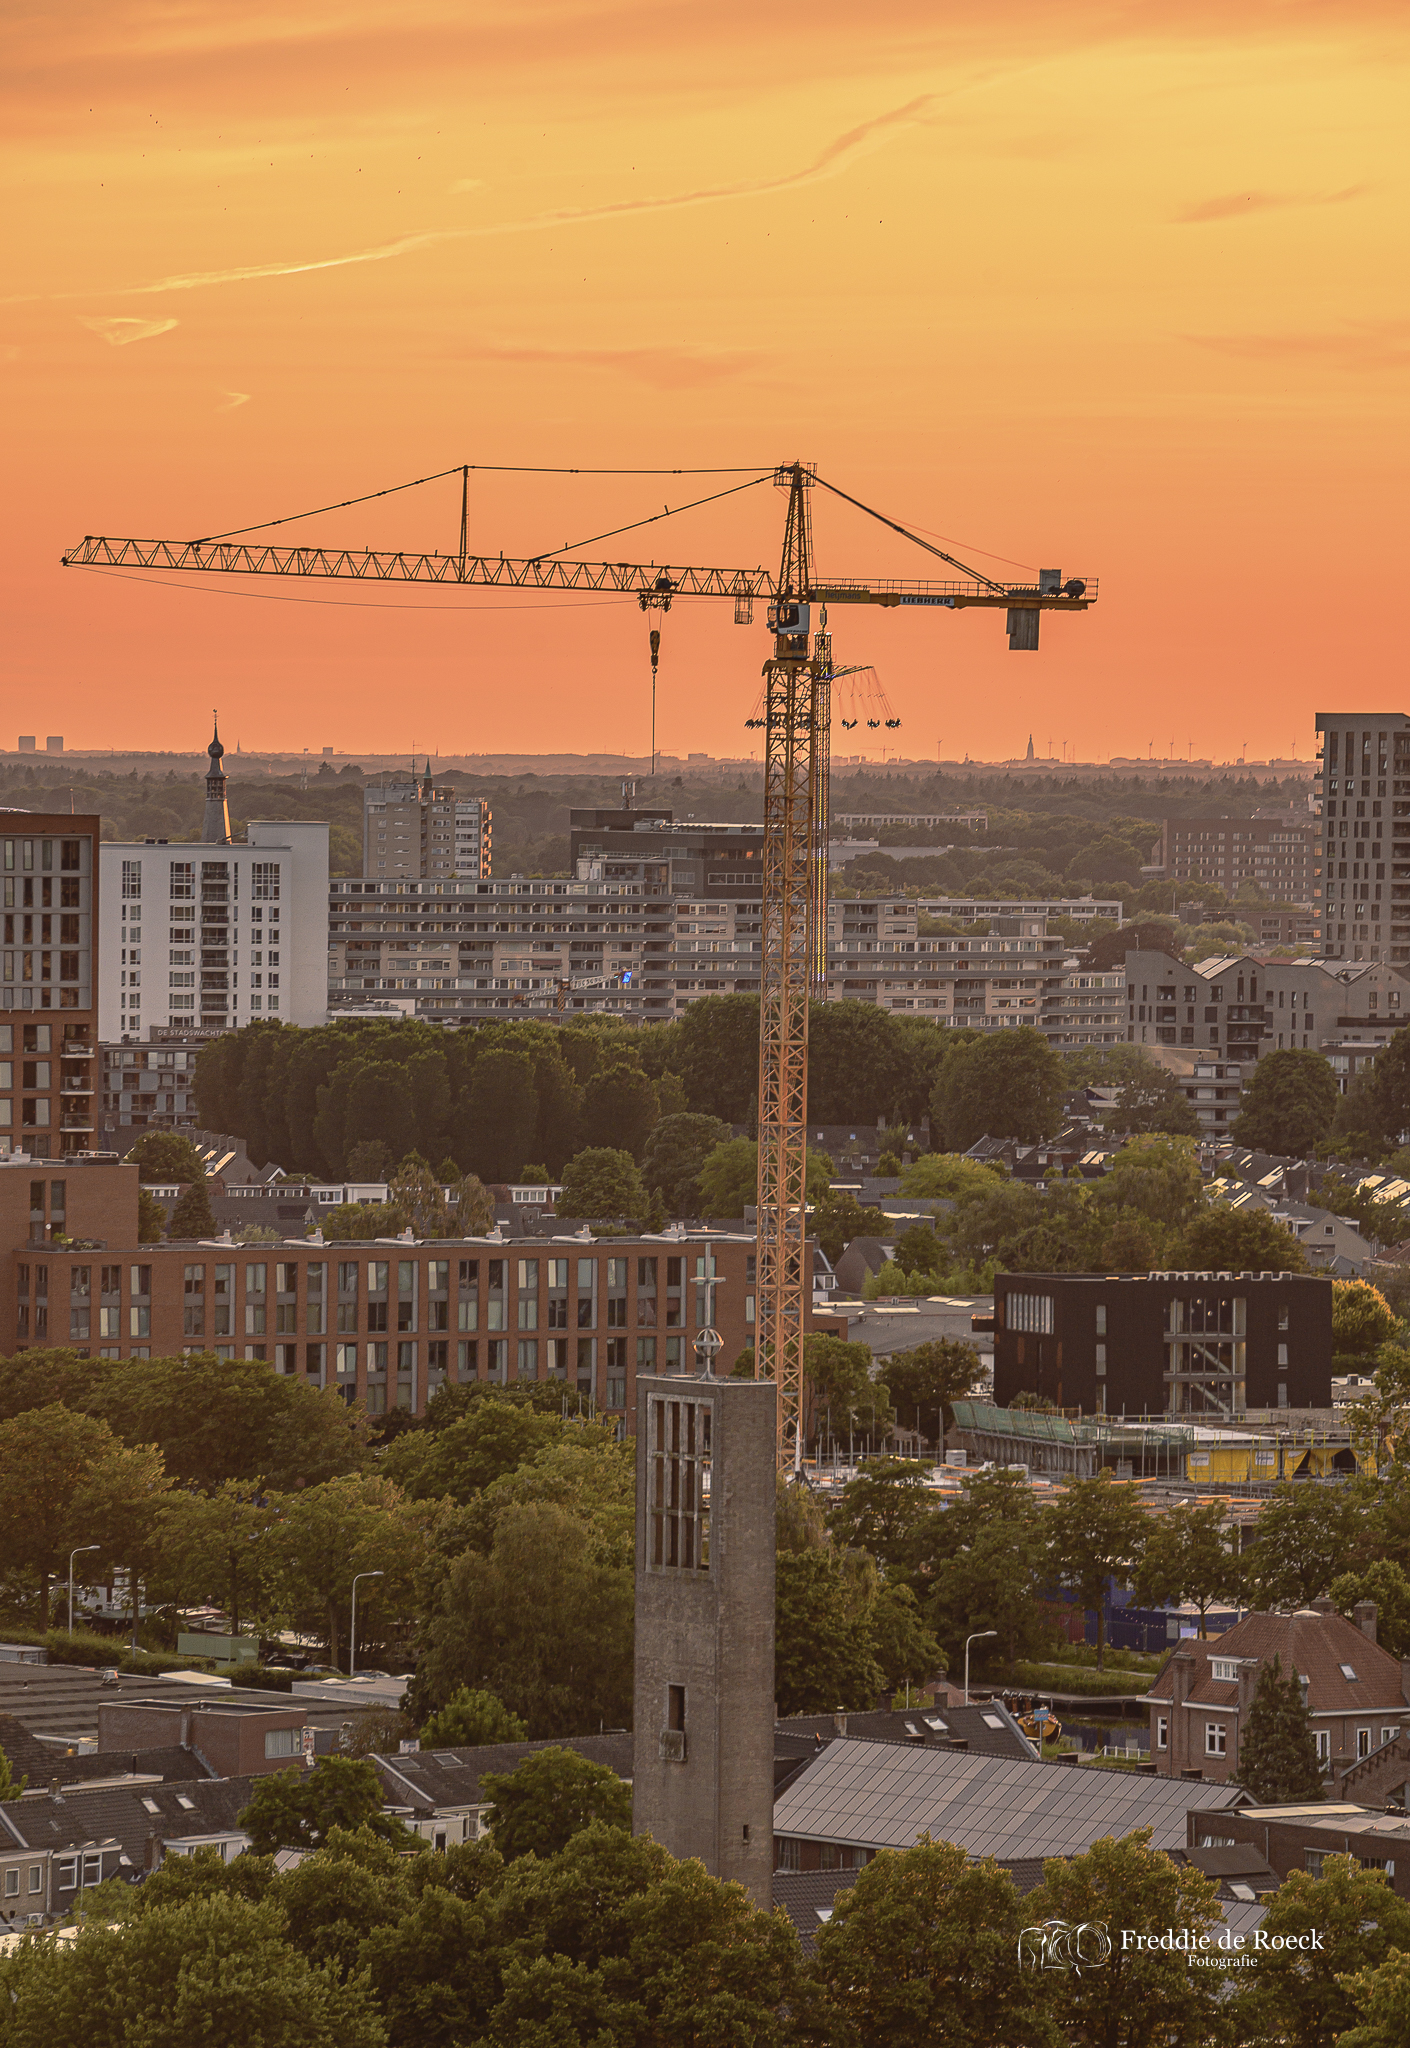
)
(1216, 1736)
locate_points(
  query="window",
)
(1162, 1731)
(1389, 1734)
(1029, 1312)
(1224, 1669)
(283, 1742)
(1214, 1738)
(678, 1484)
(1363, 1742)
(1315, 1859)
(1348, 1673)
(1322, 1737)
(12, 1884)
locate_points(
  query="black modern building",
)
(1210, 1346)
(718, 863)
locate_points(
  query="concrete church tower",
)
(702, 1753)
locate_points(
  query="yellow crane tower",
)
(797, 685)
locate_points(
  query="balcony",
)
(77, 1123)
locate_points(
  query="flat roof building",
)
(1205, 1345)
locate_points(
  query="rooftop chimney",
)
(1364, 1615)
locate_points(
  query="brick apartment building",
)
(1276, 849)
(48, 982)
(1357, 1694)
(387, 1322)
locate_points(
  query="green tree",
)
(1376, 1108)
(838, 1218)
(1362, 1319)
(1140, 1994)
(904, 1647)
(418, 1199)
(675, 1152)
(470, 1719)
(1010, 1085)
(1381, 1997)
(215, 1968)
(717, 1056)
(1225, 1240)
(602, 1182)
(1152, 1101)
(1186, 1556)
(360, 1222)
(922, 1950)
(231, 1418)
(192, 1217)
(949, 1176)
(1306, 1537)
(66, 1479)
(1289, 1105)
(370, 1159)
(886, 1510)
(1300, 1997)
(823, 1652)
(728, 1178)
(1158, 1178)
(167, 1156)
(918, 1250)
(1096, 1530)
(926, 1380)
(839, 1387)
(1384, 1581)
(540, 1805)
(539, 1621)
(492, 1438)
(620, 1107)
(298, 1808)
(326, 1534)
(151, 1218)
(216, 1548)
(496, 1126)
(9, 1788)
(995, 1582)
(1277, 1755)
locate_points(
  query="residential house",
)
(1357, 1694)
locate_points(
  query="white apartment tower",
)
(213, 935)
(1365, 768)
(411, 828)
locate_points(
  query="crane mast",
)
(798, 681)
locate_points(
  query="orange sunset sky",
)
(1117, 288)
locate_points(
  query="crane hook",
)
(655, 648)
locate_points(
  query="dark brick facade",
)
(1123, 1343)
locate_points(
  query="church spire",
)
(1029, 755)
(215, 827)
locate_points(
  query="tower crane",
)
(797, 683)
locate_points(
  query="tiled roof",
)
(128, 1814)
(431, 1780)
(921, 1726)
(1312, 1644)
(883, 1796)
(807, 1896)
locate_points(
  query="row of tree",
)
(606, 1938)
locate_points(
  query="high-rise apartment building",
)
(411, 828)
(218, 934)
(1364, 767)
(48, 982)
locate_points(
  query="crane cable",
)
(906, 534)
(492, 468)
(668, 512)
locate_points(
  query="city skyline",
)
(1095, 293)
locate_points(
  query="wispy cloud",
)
(838, 157)
(232, 399)
(1233, 205)
(1364, 345)
(118, 329)
(667, 368)
(466, 185)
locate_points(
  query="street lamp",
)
(82, 1548)
(352, 1634)
(977, 1637)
